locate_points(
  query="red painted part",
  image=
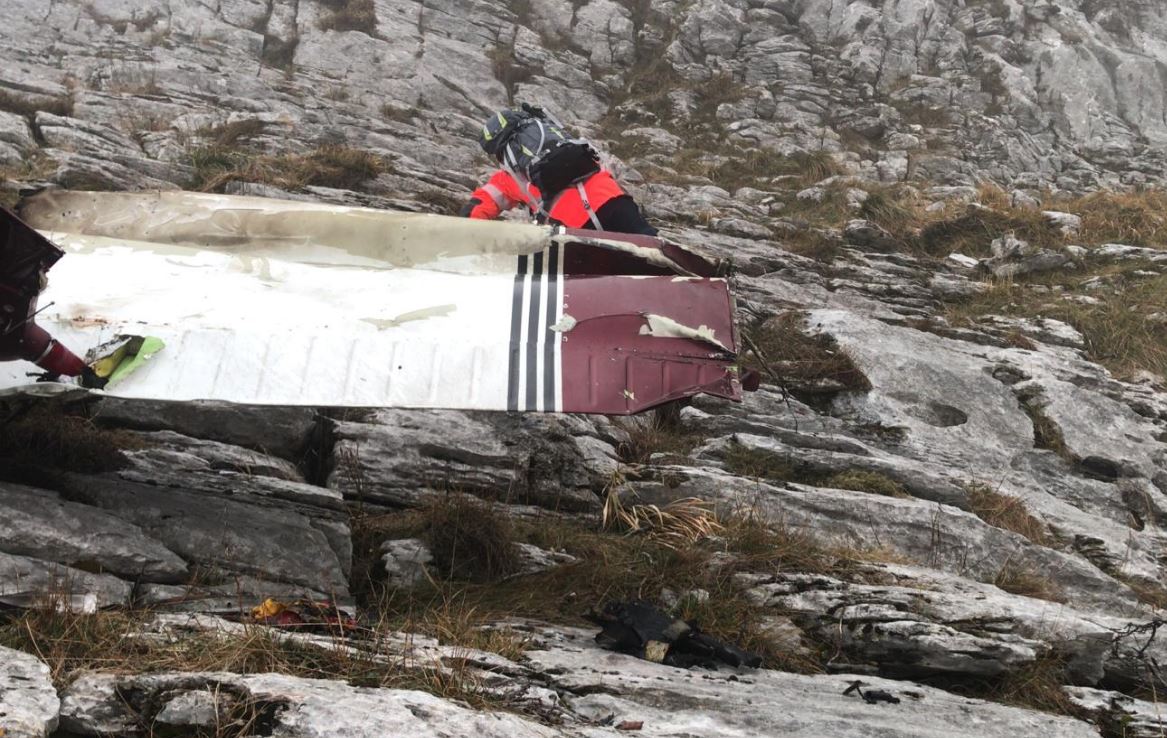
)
(25, 256)
(48, 353)
(610, 367)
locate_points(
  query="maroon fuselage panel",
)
(611, 361)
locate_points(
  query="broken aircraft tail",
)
(262, 301)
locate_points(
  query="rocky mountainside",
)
(1039, 95)
(952, 484)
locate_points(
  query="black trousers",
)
(622, 215)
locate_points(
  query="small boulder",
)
(1022, 199)
(1010, 247)
(405, 561)
(1068, 223)
(812, 194)
(867, 235)
(533, 559)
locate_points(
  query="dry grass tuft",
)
(1008, 513)
(458, 623)
(1038, 686)
(810, 366)
(1046, 433)
(1015, 579)
(663, 433)
(1134, 218)
(973, 233)
(350, 15)
(1149, 593)
(48, 439)
(678, 523)
(1121, 330)
(866, 481)
(73, 643)
(32, 168)
(762, 464)
(28, 107)
(759, 464)
(469, 538)
(336, 166)
(228, 135)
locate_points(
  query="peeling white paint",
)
(661, 326)
(565, 324)
(436, 311)
(652, 256)
(283, 229)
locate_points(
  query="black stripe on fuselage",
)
(516, 357)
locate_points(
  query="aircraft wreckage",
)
(184, 296)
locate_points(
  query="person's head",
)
(496, 130)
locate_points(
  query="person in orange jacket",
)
(592, 200)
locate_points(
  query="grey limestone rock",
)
(28, 701)
(405, 561)
(38, 523)
(402, 458)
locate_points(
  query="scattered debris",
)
(871, 696)
(645, 631)
(305, 615)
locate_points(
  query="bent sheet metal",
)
(286, 303)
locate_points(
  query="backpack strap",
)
(583, 196)
(510, 165)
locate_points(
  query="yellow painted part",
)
(106, 365)
(268, 608)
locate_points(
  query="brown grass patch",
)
(678, 523)
(74, 643)
(47, 440)
(662, 433)
(866, 481)
(759, 463)
(757, 167)
(1134, 218)
(973, 233)
(1038, 686)
(1149, 593)
(35, 167)
(457, 623)
(1008, 513)
(350, 15)
(1046, 434)
(1117, 331)
(229, 135)
(469, 538)
(809, 366)
(14, 103)
(336, 166)
(620, 567)
(1015, 579)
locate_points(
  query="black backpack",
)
(541, 152)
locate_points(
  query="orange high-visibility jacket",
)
(502, 192)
